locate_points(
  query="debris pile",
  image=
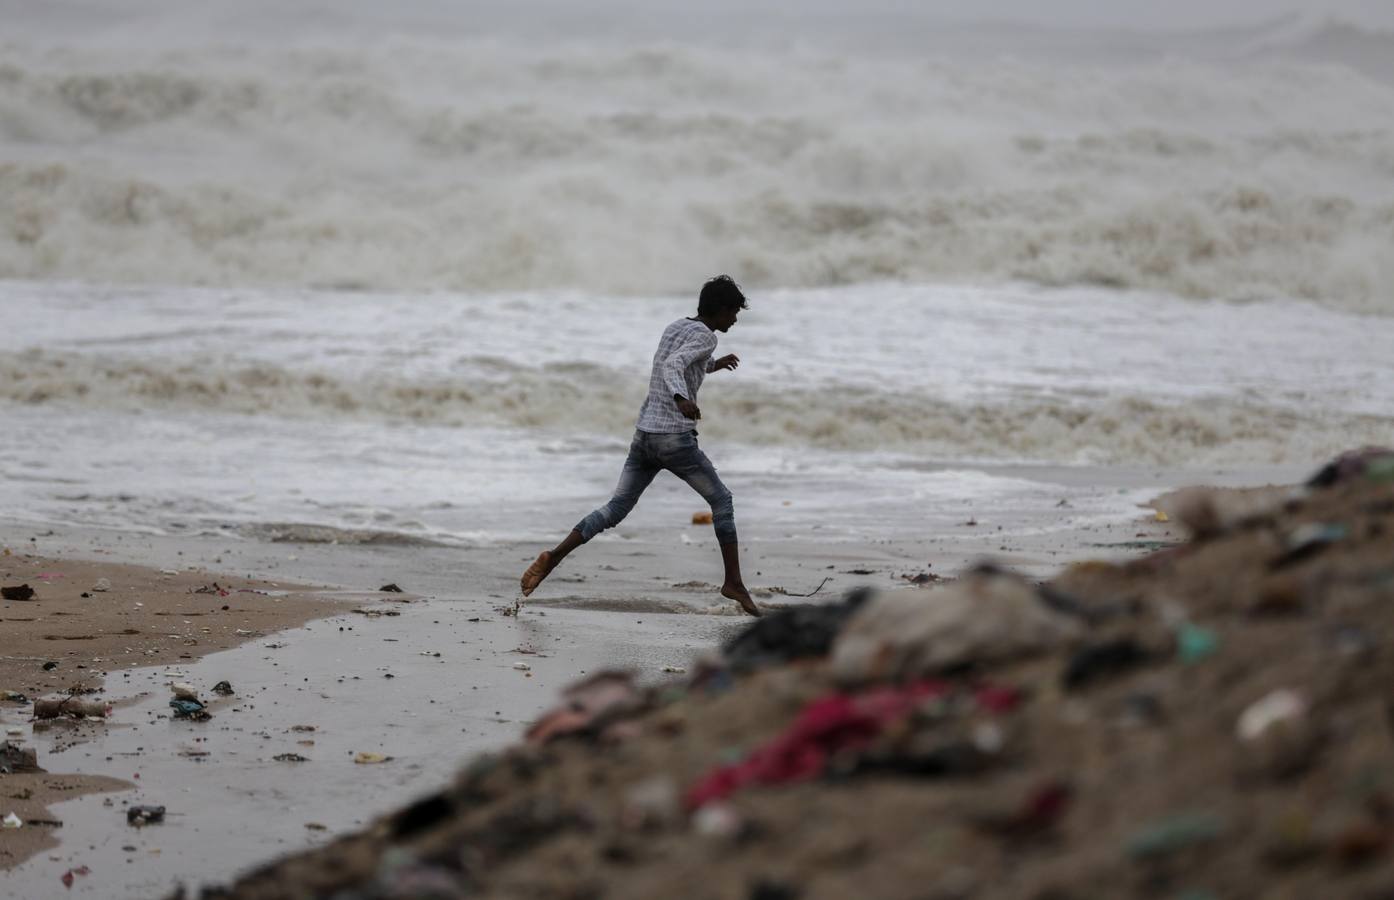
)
(1212, 719)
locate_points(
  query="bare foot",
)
(540, 569)
(738, 593)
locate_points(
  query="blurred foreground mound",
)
(1213, 720)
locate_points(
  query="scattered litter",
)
(1194, 644)
(1276, 708)
(588, 707)
(1308, 540)
(984, 617)
(701, 518)
(18, 592)
(71, 706)
(365, 757)
(213, 588)
(102, 586)
(290, 757)
(50, 666)
(14, 758)
(223, 688)
(67, 877)
(141, 816)
(718, 820)
(674, 670)
(184, 691)
(795, 632)
(11, 821)
(190, 709)
(521, 666)
(390, 589)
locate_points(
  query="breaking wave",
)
(594, 399)
(489, 166)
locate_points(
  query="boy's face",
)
(725, 320)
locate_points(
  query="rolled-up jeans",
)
(650, 454)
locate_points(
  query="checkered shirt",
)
(683, 359)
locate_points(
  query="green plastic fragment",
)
(1194, 643)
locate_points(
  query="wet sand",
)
(642, 598)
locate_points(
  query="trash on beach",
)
(14, 697)
(794, 632)
(18, 592)
(1036, 813)
(290, 757)
(223, 688)
(71, 706)
(1277, 708)
(921, 579)
(1308, 540)
(182, 690)
(365, 757)
(701, 518)
(390, 589)
(718, 820)
(11, 821)
(190, 709)
(49, 666)
(1194, 643)
(14, 758)
(674, 670)
(653, 803)
(1372, 463)
(984, 617)
(67, 877)
(141, 816)
(588, 707)
(102, 586)
(521, 666)
(844, 727)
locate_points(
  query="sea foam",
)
(489, 165)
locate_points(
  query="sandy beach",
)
(428, 677)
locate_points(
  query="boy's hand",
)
(688, 408)
(730, 361)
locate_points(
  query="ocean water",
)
(270, 275)
(464, 417)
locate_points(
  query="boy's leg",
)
(637, 475)
(692, 465)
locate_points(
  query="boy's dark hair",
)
(719, 295)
